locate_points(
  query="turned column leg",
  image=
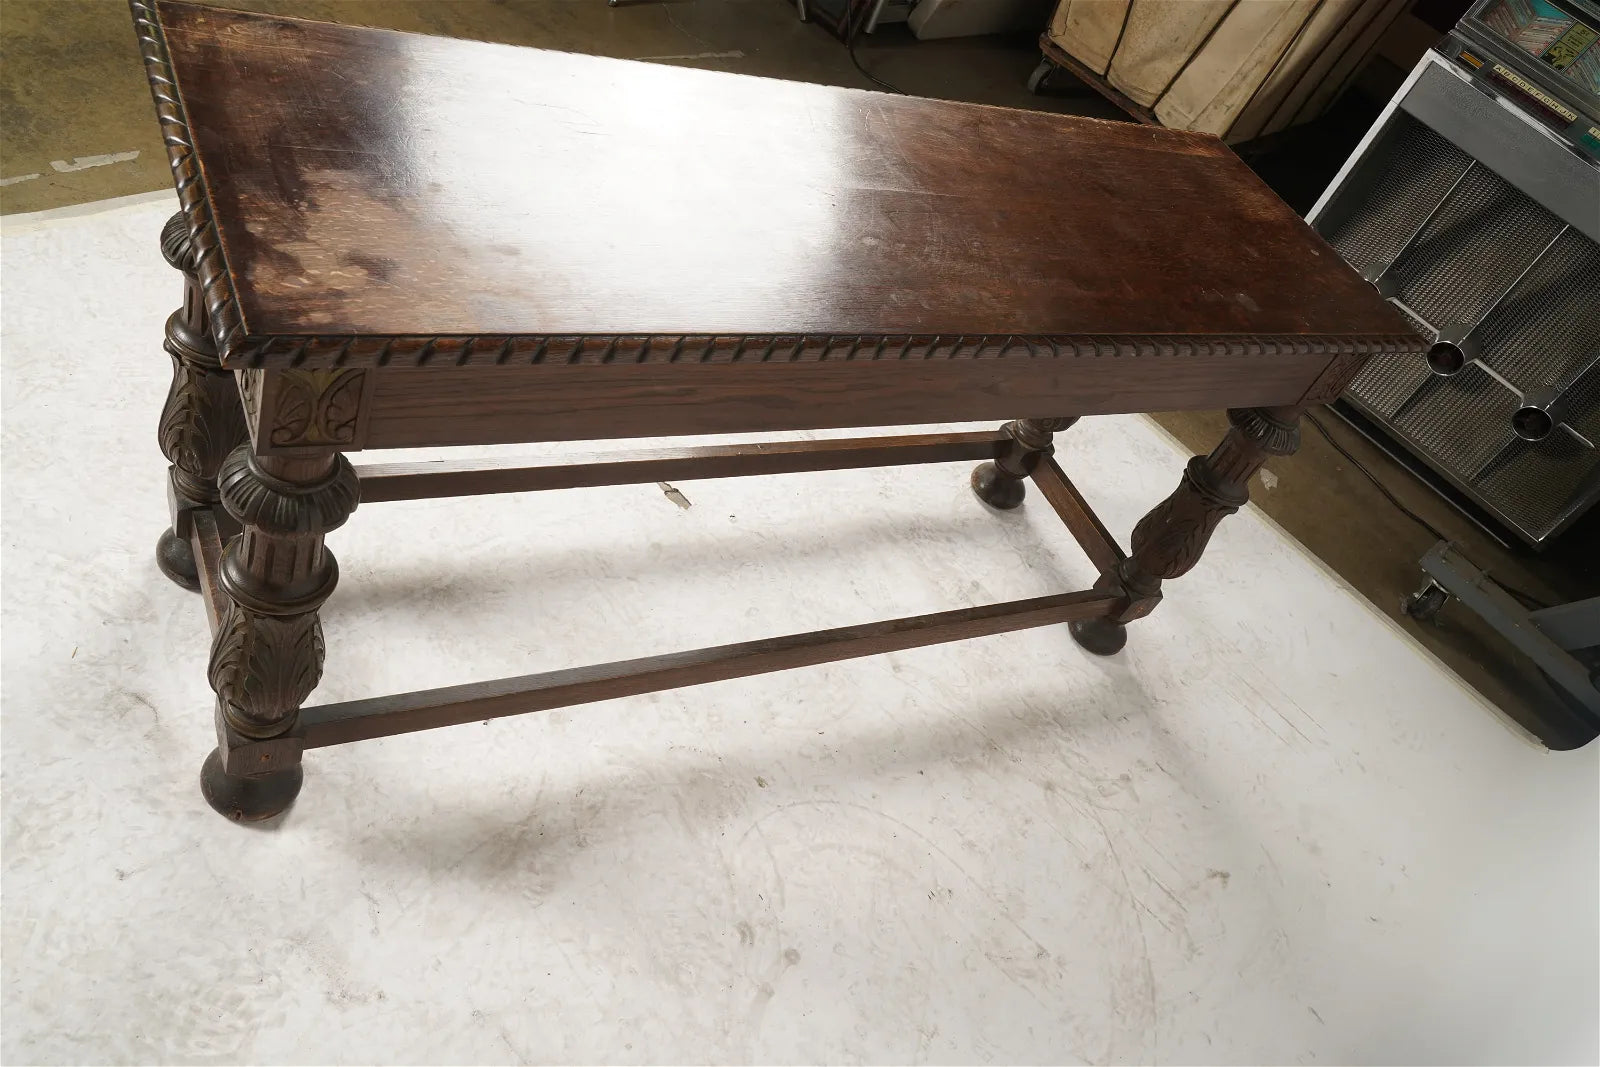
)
(266, 657)
(1169, 540)
(999, 483)
(202, 420)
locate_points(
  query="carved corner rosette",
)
(1331, 383)
(250, 388)
(317, 407)
(305, 409)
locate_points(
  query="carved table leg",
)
(1168, 541)
(1000, 483)
(266, 657)
(202, 420)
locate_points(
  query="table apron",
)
(436, 406)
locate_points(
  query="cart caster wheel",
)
(1041, 75)
(1425, 604)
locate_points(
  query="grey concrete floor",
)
(71, 88)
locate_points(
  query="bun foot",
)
(249, 799)
(176, 561)
(1100, 636)
(997, 489)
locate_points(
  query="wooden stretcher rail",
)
(359, 720)
(205, 541)
(1096, 541)
(437, 478)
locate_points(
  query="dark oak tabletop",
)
(387, 197)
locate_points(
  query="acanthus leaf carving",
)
(201, 421)
(264, 666)
(1168, 542)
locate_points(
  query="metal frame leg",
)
(1546, 636)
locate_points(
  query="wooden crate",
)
(1236, 68)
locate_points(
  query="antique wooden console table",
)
(392, 240)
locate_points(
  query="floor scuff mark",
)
(85, 162)
(697, 55)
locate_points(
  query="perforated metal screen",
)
(1462, 250)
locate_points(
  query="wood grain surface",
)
(373, 184)
(473, 477)
(360, 720)
(427, 406)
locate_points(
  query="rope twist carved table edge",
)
(454, 350)
(210, 264)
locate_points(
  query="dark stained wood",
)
(1096, 541)
(205, 542)
(1168, 541)
(266, 656)
(296, 410)
(999, 483)
(502, 405)
(402, 241)
(436, 478)
(359, 720)
(400, 195)
(201, 422)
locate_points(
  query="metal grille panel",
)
(1416, 167)
(1464, 421)
(1548, 328)
(1537, 481)
(1386, 383)
(1484, 235)
(1584, 415)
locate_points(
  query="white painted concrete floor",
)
(1272, 831)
